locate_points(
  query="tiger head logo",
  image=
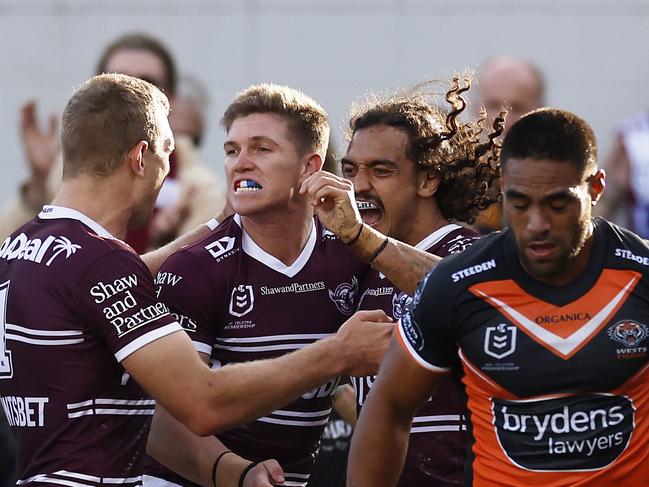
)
(630, 333)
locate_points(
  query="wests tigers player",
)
(546, 323)
(416, 167)
(79, 311)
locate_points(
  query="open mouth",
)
(246, 186)
(541, 250)
(370, 212)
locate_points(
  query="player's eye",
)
(349, 171)
(520, 205)
(382, 172)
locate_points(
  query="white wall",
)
(594, 53)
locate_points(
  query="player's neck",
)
(99, 201)
(282, 236)
(424, 222)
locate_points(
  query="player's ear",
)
(312, 164)
(135, 157)
(427, 182)
(596, 185)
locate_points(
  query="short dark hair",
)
(550, 133)
(105, 118)
(463, 154)
(307, 119)
(146, 43)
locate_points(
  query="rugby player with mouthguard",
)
(273, 279)
(417, 169)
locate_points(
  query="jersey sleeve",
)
(426, 330)
(116, 298)
(183, 285)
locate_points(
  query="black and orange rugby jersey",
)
(555, 378)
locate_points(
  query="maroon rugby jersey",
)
(239, 303)
(437, 447)
(74, 302)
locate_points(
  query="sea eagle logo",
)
(344, 296)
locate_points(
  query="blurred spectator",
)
(626, 200)
(187, 116)
(191, 194)
(518, 86)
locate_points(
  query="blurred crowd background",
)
(592, 53)
(586, 56)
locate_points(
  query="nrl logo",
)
(629, 333)
(344, 296)
(242, 300)
(500, 341)
(400, 303)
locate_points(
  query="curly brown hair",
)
(463, 155)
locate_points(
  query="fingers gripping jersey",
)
(556, 377)
(437, 446)
(241, 304)
(75, 302)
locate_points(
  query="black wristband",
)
(378, 251)
(353, 240)
(216, 464)
(245, 472)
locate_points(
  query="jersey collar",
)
(436, 236)
(51, 212)
(256, 252)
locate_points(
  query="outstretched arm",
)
(207, 400)
(194, 457)
(380, 440)
(334, 203)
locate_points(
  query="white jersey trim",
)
(302, 414)
(34, 341)
(436, 236)
(432, 239)
(202, 347)
(72, 479)
(415, 356)
(137, 407)
(277, 338)
(266, 348)
(212, 223)
(51, 212)
(300, 340)
(43, 333)
(288, 422)
(297, 418)
(147, 338)
(456, 420)
(431, 429)
(256, 252)
(153, 481)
